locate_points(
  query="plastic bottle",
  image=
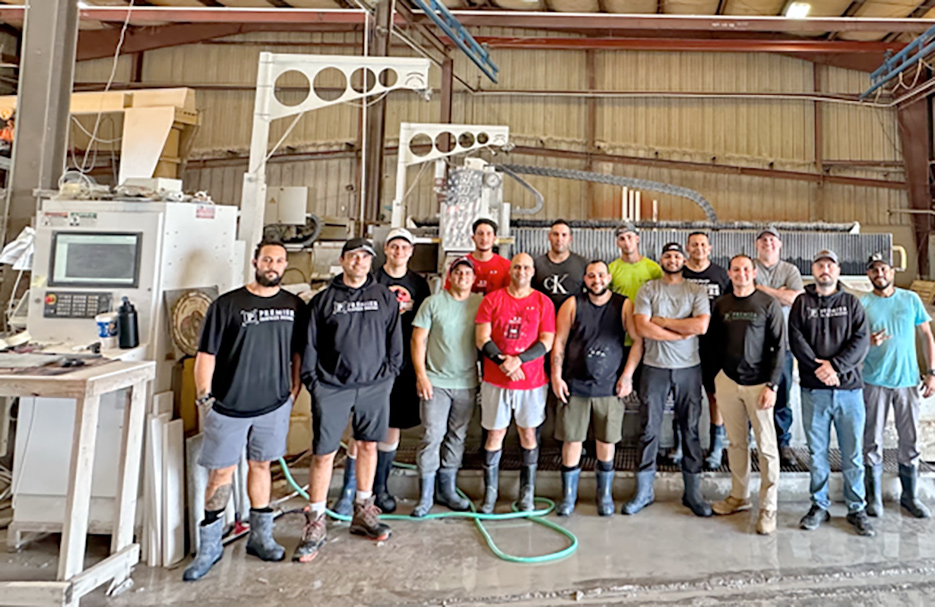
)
(128, 334)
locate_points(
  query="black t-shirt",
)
(714, 279)
(559, 281)
(253, 339)
(594, 352)
(410, 290)
(747, 336)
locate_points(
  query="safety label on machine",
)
(54, 218)
(204, 211)
(82, 219)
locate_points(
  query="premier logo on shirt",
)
(258, 315)
(350, 307)
(827, 312)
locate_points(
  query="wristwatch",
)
(930, 372)
(204, 400)
(772, 386)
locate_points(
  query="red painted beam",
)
(668, 44)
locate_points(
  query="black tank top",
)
(594, 353)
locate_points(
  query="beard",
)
(597, 292)
(882, 287)
(670, 272)
(263, 281)
(825, 282)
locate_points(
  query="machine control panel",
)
(64, 304)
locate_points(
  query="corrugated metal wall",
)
(762, 133)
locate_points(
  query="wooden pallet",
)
(925, 289)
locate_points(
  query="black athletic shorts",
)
(331, 408)
(404, 401)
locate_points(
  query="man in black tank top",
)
(592, 371)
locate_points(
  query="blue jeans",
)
(845, 409)
(782, 412)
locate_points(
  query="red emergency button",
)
(50, 299)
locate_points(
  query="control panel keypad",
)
(60, 304)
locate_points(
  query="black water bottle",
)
(128, 335)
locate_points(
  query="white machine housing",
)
(181, 246)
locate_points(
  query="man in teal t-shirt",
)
(891, 378)
(445, 360)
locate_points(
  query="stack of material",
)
(163, 537)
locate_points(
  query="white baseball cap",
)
(400, 233)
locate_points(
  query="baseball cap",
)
(767, 230)
(826, 254)
(460, 261)
(880, 257)
(357, 244)
(673, 246)
(623, 228)
(400, 233)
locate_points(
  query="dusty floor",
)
(662, 556)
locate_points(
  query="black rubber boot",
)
(210, 551)
(345, 504)
(718, 442)
(692, 497)
(491, 480)
(382, 498)
(261, 543)
(569, 491)
(909, 477)
(873, 480)
(644, 495)
(605, 492)
(426, 497)
(527, 480)
(448, 491)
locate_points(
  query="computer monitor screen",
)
(95, 259)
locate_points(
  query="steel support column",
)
(376, 119)
(915, 136)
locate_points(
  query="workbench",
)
(86, 385)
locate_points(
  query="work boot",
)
(787, 458)
(644, 495)
(909, 477)
(491, 480)
(210, 551)
(313, 537)
(605, 492)
(766, 522)
(345, 504)
(261, 543)
(692, 497)
(366, 521)
(718, 442)
(815, 517)
(873, 479)
(448, 491)
(569, 491)
(731, 505)
(382, 498)
(861, 523)
(527, 480)
(426, 496)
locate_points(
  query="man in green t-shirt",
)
(631, 270)
(445, 360)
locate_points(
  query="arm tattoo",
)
(218, 500)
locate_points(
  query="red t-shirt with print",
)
(515, 325)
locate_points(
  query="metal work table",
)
(86, 385)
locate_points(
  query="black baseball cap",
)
(878, 257)
(673, 246)
(357, 244)
(461, 261)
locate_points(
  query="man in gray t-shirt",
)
(783, 281)
(670, 313)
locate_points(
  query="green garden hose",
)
(536, 516)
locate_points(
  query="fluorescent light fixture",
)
(798, 10)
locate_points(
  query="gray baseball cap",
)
(623, 228)
(768, 230)
(826, 254)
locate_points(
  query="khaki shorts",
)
(573, 418)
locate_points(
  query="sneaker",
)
(366, 521)
(730, 505)
(766, 523)
(787, 458)
(815, 517)
(313, 538)
(861, 523)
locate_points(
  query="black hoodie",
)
(829, 327)
(354, 336)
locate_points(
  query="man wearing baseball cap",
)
(354, 353)
(670, 313)
(445, 360)
(829, 337)
(891, 379)
(631, 270)
(783, 281)
(491, 271)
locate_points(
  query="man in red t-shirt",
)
(515, 328)
(491, 271)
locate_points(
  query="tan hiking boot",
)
(731, 505)
(766, 523)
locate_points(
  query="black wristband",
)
(533, 352)
(492, 352)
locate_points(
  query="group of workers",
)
(376, 349)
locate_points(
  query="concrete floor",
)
(662, 556)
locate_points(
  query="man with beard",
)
(829, 337)
(514, 330)
(670, 314)
(491, 271)
(559, 272)
(354, 353)
(247, 377)
(591, 376)
(891, 379)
